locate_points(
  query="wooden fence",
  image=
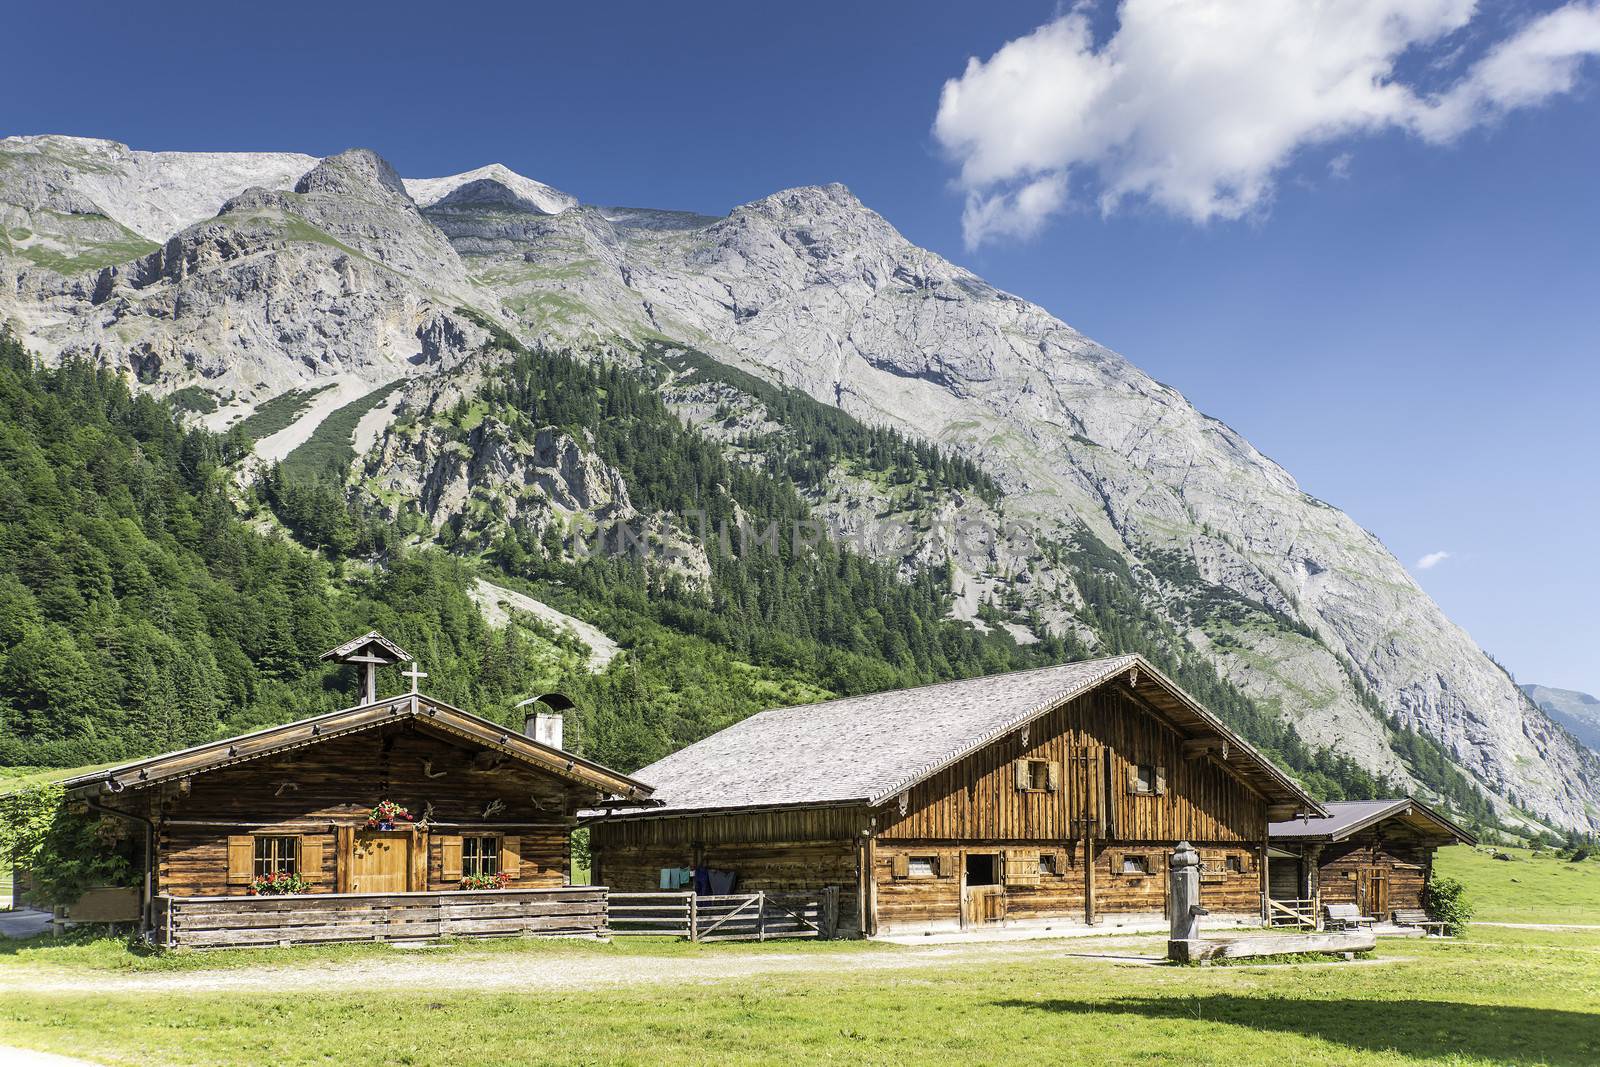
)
(735, 917)
(230, 922)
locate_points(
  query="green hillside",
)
(147, 604)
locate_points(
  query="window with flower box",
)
(277, 855)
(480, 856)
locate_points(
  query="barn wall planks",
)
(768, 866)
(908, 897)
(312, 791)
(1092, 742)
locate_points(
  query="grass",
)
(1527, 888)
(330, 449)
(1498, 996)
(280, 412)
(1489, 1000)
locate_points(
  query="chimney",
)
(544, 726)
(543, 720)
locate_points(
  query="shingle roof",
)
(425, 710)
(1346, 817)
(867, 749)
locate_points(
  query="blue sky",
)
(1404, 315)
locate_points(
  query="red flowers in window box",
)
(498, 880)
(278, 884)
(385, 814)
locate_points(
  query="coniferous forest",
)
(147, 604)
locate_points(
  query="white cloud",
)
(1432, 560)
(1196, 105)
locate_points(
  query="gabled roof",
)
(434, 714)
(865, 750)
(394, 652)
(1348, 817)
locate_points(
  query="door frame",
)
(416, 867)
(998, 856)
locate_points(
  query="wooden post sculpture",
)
(1183, 879)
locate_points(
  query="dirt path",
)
(21, 1057)
(419, 969)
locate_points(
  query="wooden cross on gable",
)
(416, 674)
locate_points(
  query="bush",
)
(1447, 903)
(65, 850)
(1580, 853)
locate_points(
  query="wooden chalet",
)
(1375, 854)
(483, 803)
(1048, 797)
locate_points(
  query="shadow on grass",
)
(1420, 1028)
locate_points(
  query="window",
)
(1147, 779)
(1135, 864)
(277, 855)
(923, 867)
(480, 856)
(1235, 864)
(983, 868)
(1049, 863)
(1036, 775)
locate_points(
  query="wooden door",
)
(380, 862)
(1372, 891)
(983, 904)
(983, 893)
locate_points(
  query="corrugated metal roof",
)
(866, 749)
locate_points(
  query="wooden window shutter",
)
(241, 859)
(311, 859)
(1055, 776)
(511, 856)
(450, 859)
(1133, 778)
(1021, 866)
(1024, 779)
(1114, 857)
(900, 864)
(1161, 781)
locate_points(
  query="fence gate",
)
(733, 917)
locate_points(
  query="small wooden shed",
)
(485, 808)
(1375, 854)
(1042, 798)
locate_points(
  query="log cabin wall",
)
(793, 850)
(1090, 746)
(920, 884)
(314, 792)
(1404, 860)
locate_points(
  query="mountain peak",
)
(350, 171)
(520, 190)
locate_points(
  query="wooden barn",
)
(481, 846)
(1044, 798)
(1375, 854)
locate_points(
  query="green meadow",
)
(1499, 995)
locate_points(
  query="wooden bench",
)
(1345, 917)
(1419, 918)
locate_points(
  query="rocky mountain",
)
(750, 327)
(1578, 712)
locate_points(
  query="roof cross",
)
(416, 674)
